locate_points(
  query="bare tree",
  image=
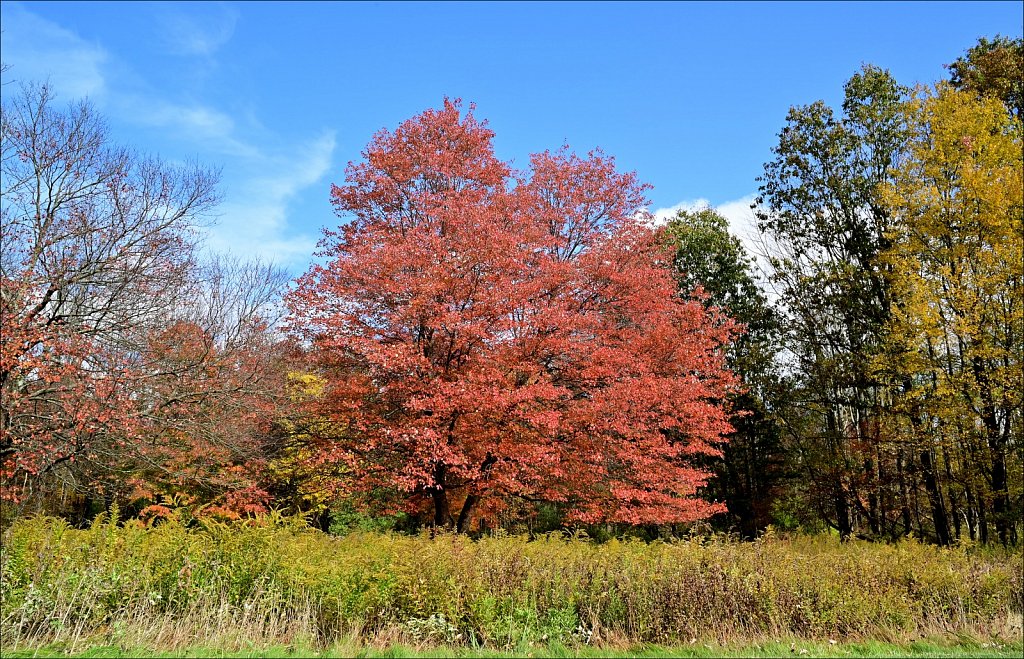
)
(118, 339)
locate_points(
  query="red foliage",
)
(126, 360)
(487, 334)
(166, 404)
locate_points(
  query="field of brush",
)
(274, 586)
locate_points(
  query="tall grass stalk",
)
(273, 581)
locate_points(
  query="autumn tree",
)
(486, 335)
(956, 340)
(298, 476)
(825, 226)
(993, 67)
(122, 350)
(712, 263)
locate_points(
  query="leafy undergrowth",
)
(273, 586)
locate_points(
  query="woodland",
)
(510, 379)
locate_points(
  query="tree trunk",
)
(999, 495)
(467, 508)
(904, 496)
(971, 514)
(471, 498)
(442, 513)
(982, 520)
(955, 512)
(842, 512)
(874, 485)
(939, 517)
(997, 450)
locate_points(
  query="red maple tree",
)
(486, 334)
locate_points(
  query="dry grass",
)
(273, 582)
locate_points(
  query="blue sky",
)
(281, 96)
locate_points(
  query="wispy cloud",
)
(264, 176)
(196, 123)
(201, 31)
(742, 222)
(663, 215)
(38, 50)
(254, 221)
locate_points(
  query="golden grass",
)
(272, 582)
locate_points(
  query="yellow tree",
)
(955, 344)
(295, 476)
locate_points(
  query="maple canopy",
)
(486, 335)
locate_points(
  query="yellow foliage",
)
(305, 386)
(957, 271)
(297, 468)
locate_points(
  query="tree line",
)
(483, 347)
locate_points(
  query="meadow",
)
(274, 586)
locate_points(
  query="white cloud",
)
(197, 121)
(254, 219)
(663, 215)
(38, 50)
(261, 178)
(263, 175)
(201, 31)
(742, 222)
(213, 129)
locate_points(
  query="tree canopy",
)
(488, 335)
